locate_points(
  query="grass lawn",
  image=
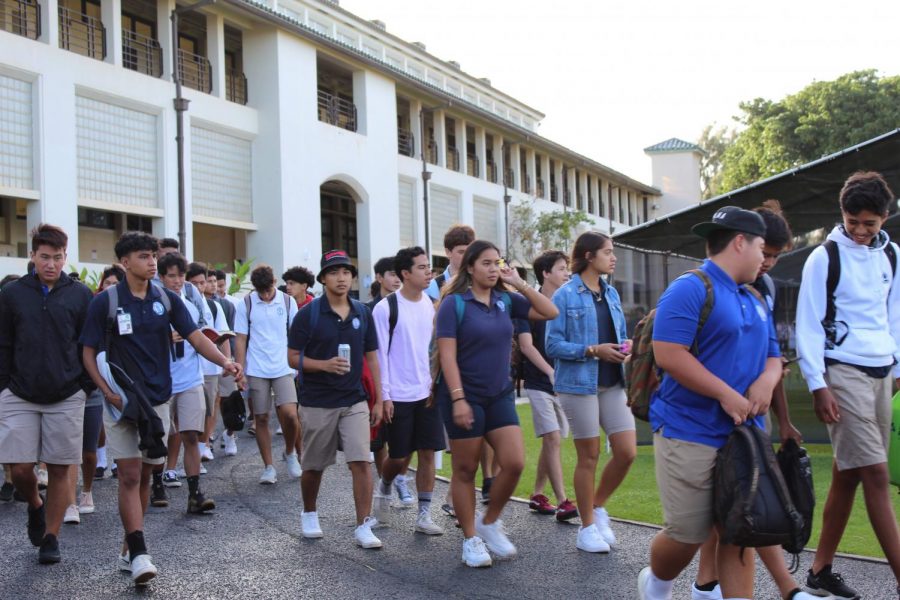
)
(637, 499)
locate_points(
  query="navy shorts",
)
(488, 413)
(93, 422)
(415, 426)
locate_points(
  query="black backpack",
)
(797, 471)
(752, 503)
(234, 411)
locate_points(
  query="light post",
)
(506, 199)
(181, 106)
(426, 174)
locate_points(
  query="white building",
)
(303, 134)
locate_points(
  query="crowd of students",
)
(130, 376)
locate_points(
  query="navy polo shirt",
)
(149, 344)
(328, 390)
(534, 378)
(734, 344)
(608, 374)
(483, 341)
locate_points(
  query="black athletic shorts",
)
(415, 426)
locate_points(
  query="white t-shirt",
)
(219, 323)
(268, 330)
(185, 371)
(406, 368)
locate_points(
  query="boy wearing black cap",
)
(333, 405)
(704, 395)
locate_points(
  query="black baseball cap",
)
(732, 218)
(332, 259)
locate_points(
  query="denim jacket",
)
(570, 334)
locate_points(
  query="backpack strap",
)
(393, 315)
(507, 302)
(213, 309)
(314, 315)
(707, 308)
(834, 276)
(248, 307)
(287, 313)
(892, 258)
(460, 306)
(196, 298)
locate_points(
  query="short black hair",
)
(262, 278)
(299, 275)
(866, 190)
(8, 279)
(48, 235)
(172, 259)
(196, 268)
(718, 240)
(778, 232)
(282, 289)
(545, 263)
(405, 259)
(589, 242)
(384, 265)
(135, 241)
(169, 243)
(116, 270)
(220, 274)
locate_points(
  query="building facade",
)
(307, 129)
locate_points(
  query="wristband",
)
(455, 400)
(453, 391)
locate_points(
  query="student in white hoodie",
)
(850, 362)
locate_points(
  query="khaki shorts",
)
(188, 410)
(50, 433)
(861, 437)
(547, 413)
(261, 390)
(325, 428)
(226, 385)
(608, 408)
(684, 475)
(122, 437)
(210, 392)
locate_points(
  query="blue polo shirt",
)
(149, 344)
(483, 341)
(328, 390)
(735, 343)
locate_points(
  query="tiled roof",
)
(674, 145)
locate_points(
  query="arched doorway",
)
(338, 215)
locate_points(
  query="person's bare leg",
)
(735, 567)
(668, 557)
(835, 515)
(465, 454)
(707, 571)
(309, 489)
(60, 494)
(88, 468)
(134, 492)
(424, 471)
(540, 471)
(509, 452)
(174, 446)
(773, 559)
(380, 457)
(588, 451)
(191, 452)
(362, 489)
(263, 437)
(624, 451)
(290, 425)
(876, 491)
(24, 479)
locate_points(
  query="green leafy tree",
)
(239, 281)
(822, 118)
(714, 140)
(531, 232)
(88, 278)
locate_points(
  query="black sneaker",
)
(6, 491)
(99, 473)
(37, 525)
(199, 504)
(826, 582)
(49, 552)
(158, 497)
(114, 473)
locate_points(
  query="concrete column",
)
(50, 29)
(570, 176)
(460, 134)
(498, 157)
(615, 217)
(516, 166)
(215, 52)
(532, 171)
(440, 137)
(558, 179)
(604, 198)
(585, 190)
(545, 175)
(415, 125)
(111, 15)
(164, 10)
(593, 188)
(481, 151)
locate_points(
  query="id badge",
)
(124, 321)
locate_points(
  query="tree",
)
(531, 232)
(822, 118)
(714, 140)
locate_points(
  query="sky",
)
(614, 77)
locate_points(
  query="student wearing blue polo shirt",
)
(703, 397)
(333, 404)
(142, 335)
(474, 333)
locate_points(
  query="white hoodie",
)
(866, 300)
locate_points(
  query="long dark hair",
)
(462, 279)
(589, 242)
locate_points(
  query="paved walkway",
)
(251, 548)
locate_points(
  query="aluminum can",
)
(344, 351)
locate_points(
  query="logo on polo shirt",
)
(280, 311)
(158, 308)
(355, 323)
(501, 305)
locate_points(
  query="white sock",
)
(202, 447)
(385, 487)
(659, 588)
(101, 457)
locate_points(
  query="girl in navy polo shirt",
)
(475, 393)
(589, 345)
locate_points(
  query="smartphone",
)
(791, 360)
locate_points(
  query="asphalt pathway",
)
(251, 548)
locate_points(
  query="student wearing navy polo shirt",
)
(474, 333)
(333, 405)
(702, 398)
(143, 334)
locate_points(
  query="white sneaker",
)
(206, 453)
(42, 478)
(142, 569)
(86, 503)
(269, 476)
(309, 525)
(124, 562)
(181, 473)
(203, 470)
(72, 516)
(170, 479)
(475, 553)
(590, 540)
(801, 595)
(601, 520)
(230, 442)
(293, 465)
(643, 580)
(716, 593)
(406, 497)
(495, 538)
(278, 431)
(364, 536)
(425, 525)
(381, 505)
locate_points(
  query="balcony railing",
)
(491, 171)
(431, 153)
(580, 201)
(591, 204)
(336, 111)
(539, 188)
(194, 71)
(22, 17)
(81, 34)
(473, 168)
(141, 53)
(526, 183)
(554, 193)
(452, 158)
(509, 178)
(567, 197)
(236, 87)
(406, 142)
